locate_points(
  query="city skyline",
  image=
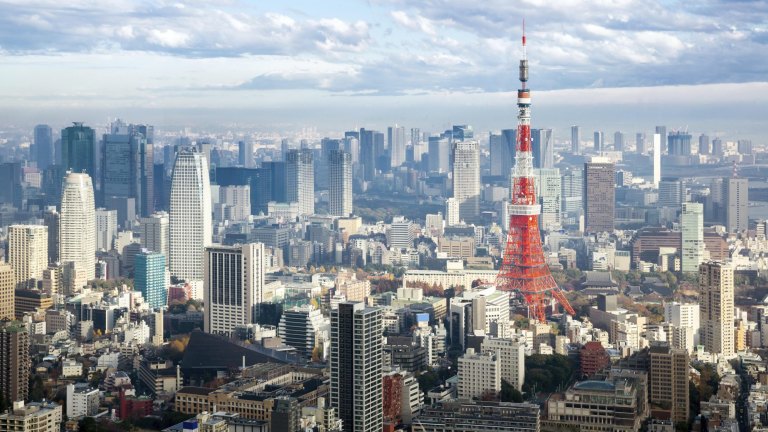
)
(372, 64)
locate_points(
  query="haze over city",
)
(339, 64)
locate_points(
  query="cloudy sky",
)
(336, 64)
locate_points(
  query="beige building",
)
(716, 302)
(28, 253)
(669, 382)
(479, 374)
(511, 354)
(457, 247)
(609, 406)
(354, 290)
(7, 289)
(34, 417)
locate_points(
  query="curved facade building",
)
(190, 215)
(77, 228)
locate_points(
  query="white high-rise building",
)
(77, 228)
(692, 222)
(549, 195)
(234, 202)
(300, 180)
(466, 179)
(190, 215)
(155, 233)
(396, 143)
(511, 354)
(106, 229)
(340, 183)
(716, 300)
(234, 286)
(656, 159)
(28, 253)
(452, 217)
(684, 316)
(478, 374)
(400, 233)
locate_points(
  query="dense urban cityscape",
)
(377, 279)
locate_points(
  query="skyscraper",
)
(502, 146)
(736, 198)
(245, 153)
(300, 181)
(668, 387)
(452, 217)
(466, 179)
(717, 147)
(149, 271)
(572, 183)
(127, 168)
(51, 221)
(14, 356)
(340, 183)
(542, 147)
(190, 215)
(548, 194)
(44, 152)
(599, 195)
(106, 228)
(656, 159)
(356, 365)
(7, 292)
(234, 286)
(662, 131)
(679, 144)
(396, 144)
(618, 141)
(599, 141)
(692, 221)
(78, 149)
(439, 154)
(368, 153)
(155, 233)
(671, 192)
(640, 143)
(575, 139)
(28, 253)
(77, 228)
(704, 147)
(716, 302)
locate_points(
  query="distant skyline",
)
(335, 65)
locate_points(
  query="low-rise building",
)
(82, 401)
(470, 416)
(610, 405)
(33, 417)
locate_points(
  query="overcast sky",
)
(333, 64)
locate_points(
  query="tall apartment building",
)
(340, 183)
(479, 374)
(149, 278)
(233, 286)
(511, 355)
(466, 179)
(300, 181)
(14, 356)
(77, 228)
(7, 290)
(190, 215)
(396, 144)
(692, 224)
(356, 364)
(716, 302)
(668, 388)
(452, 217)
(28, 253)
(684, 316)
(155, 233)
(599, 196)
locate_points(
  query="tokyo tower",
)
(523, 268)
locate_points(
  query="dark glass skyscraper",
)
(542, 147)
(44, 153)
(78, 149)
(127, 168)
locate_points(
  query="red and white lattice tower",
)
(523, 268)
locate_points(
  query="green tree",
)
(509, 393)
(36, 388)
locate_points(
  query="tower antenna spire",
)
(524, 269)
